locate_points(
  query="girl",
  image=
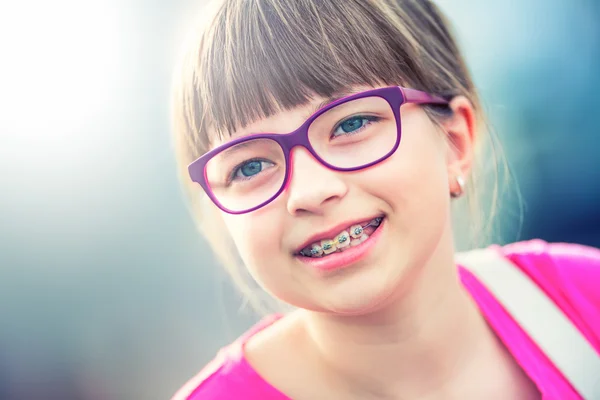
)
(325, 141)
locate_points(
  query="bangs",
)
(259, 57)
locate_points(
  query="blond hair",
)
(254, 58)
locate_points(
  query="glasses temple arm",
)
(419, 97)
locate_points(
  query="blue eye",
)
(353, 125)
(250, 169)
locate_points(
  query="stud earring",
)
(461, 186)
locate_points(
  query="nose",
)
(312, 187)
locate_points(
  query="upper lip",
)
(332, 232)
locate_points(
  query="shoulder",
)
(229, 375)
(568, 273)
(573, 267)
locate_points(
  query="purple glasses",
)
(349, 134)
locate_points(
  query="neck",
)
(415, 344)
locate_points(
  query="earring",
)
(461, 186)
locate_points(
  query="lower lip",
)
(347, 257)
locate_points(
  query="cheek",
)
(255, 236)
(414, 181)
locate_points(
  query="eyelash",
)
(370, 118)
(232, 176)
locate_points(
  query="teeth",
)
(356, 231)
(328, 246)
(343, 240)
(376, 221)
(362, 238)
(316, 250)
(352, 237)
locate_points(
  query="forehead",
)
(284, 120)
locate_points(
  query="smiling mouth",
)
(350, 237)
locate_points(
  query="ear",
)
(461, 131)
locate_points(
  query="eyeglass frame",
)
(395, 96)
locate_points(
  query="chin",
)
(359, 290)
(363, 293)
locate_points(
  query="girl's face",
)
(410, 190)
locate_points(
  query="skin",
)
(397, 324)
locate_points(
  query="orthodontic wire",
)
(374, 222)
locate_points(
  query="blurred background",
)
(106, 289)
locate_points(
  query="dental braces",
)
(317, 250)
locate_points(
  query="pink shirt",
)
(569, 274)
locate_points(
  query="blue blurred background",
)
(106, 289)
